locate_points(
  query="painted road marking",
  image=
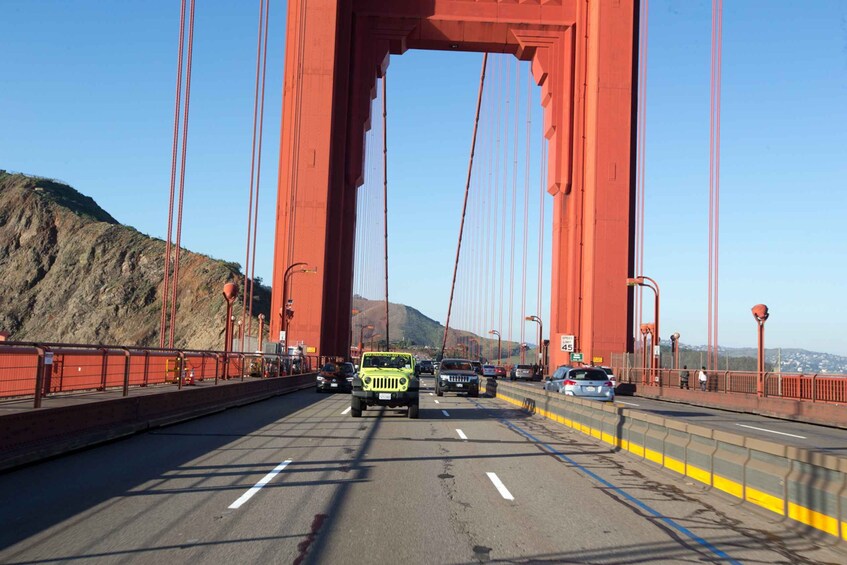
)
(446, 413)
(627, 403)
(461, 434)
(770, 431)
(437, 402)
(265, 480)
(346, 410)
(430, 394)
(501, 488)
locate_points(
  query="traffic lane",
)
(785, 432)
(163, 493)
(603, 506)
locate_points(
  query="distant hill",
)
(71, 273)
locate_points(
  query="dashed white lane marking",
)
(437, 402)
(771, 431)
(430, 394)
(346, 410)
(446, 413)
(461, 434)
(265, 480)
(628, 403)
(501, 488)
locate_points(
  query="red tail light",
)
(568, 382)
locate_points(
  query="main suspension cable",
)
(465, 203)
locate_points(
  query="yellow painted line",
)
(674, 465)
(844, 530)
(700, 475)
(636, 449)
(729, 486)
(765, 500)
(653, 456)
(596, 433)
(609, 438)
(812, 518)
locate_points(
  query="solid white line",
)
(501, 488)
(346, 410)
(265, 480)
(437, 402)
(446, 413)
(461, 434)
(771, 431)
(628, 403)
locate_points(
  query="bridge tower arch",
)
(582, 54)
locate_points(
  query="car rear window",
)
(456, 366)
(588, 375)
(525, 367)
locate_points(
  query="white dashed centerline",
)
(627, 403)
(446, 413)
(265, 480)
(461, 434)
(437, 402)
(771, 431)
(346, 410)
(501, 488)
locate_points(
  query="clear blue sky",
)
(86, 96)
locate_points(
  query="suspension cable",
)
(465, 203)
(514, 201)
(385, 195)
(525, 217)
(714, 180)
(178, 241)
(177, 105)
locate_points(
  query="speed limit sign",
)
(568, 343)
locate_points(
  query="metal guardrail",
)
(815, 387)
(35, 370)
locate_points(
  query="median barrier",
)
(805, 487)
(37, 434)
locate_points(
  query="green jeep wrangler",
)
(385, 378)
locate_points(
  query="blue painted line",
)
(564, 458)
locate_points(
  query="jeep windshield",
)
(386, 362)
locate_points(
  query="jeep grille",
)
(385, 383)
(458, 378)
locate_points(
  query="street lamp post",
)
(641, 280)
(536, 319)
(675, 349)
(646, 329)
(261, 331)
(287, 310)
(361, 337)
(499, 340)
(761, 314)
(230, 294)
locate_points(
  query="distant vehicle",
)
(584, 382)
(524, 372)
(499, 371)
(457, 375)
(489, 371)
(426, 366)
(335, 377)
(609, 372)
(477, 367)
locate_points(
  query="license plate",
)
(590, 388)
(385, 396)
(334, 385)
(459, 385)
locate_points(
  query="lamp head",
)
(760, 312)
(230, 291)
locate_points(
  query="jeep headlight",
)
(320, 378)
(367, 380)
(402, 381)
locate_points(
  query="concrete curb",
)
(805, 487)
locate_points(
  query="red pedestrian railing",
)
(39, 369)
(816, 387)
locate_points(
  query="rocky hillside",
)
(72, 273)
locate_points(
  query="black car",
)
(336, 376)
(425, 366)
(457, 375)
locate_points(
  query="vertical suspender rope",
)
(258, 171)
(385, 196)
(178, 241)
(525, 216)
(514, 200)
(714, 181)
(177, 104)
(502, 222)
(247, 285)
(465, 203)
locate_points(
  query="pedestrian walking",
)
(684, 376)
(703, 378)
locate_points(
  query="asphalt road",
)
(473, 480)
(787, 432)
